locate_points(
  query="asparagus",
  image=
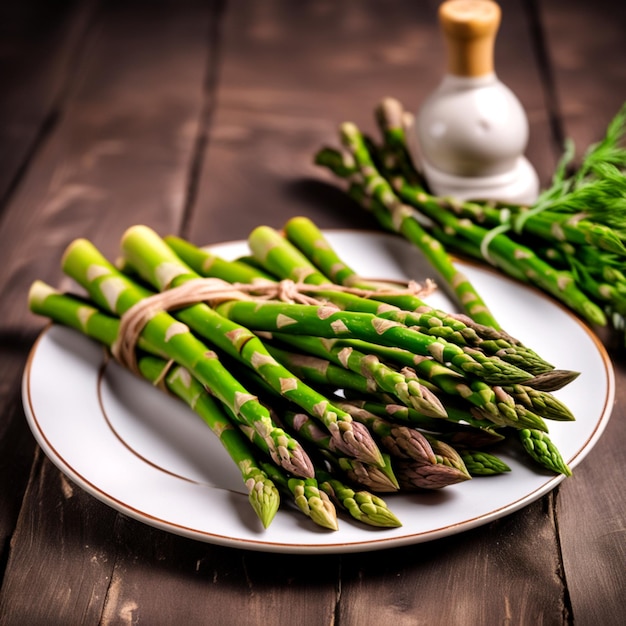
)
(535, 398)
(307, 495)
(279, 256)
(481, 463)
(78, 314)
(463, 331)
(377, 478)
(321, 372)
(410, 392)
(502, 411)
(273, 253)
(498, 249)
(312, 243)
(151, 257)
(329, 322)
(263, 494)
(460, 427)
(494, 403)
(305, 235)
(207, 263)
(400, 441)
(401, 218)
(116, 293)
(361, 505)
(560, 214)
(449, 469)
(412, 475)
(540, 448)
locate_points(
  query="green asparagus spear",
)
(361, 505)
(78, 314)
(307, 495)
(499, 249)
(330, 322)
(116, 293)
(151, 257)
(540, 448)
(376, 478)
(481, 463)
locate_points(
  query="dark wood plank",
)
(490, 575)
(40, 42)
(591, 87)
(164, 580)
(61, 561)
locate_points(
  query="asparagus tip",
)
(264, 498)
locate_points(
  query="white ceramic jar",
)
(472, 131)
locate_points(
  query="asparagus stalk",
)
(481, 463)
(410, 392)
(80, 315)
(448, 470)
(329, 322)
(547, 224)
(273, 253)
(322, 373)
(399, 440)
(540, 448)
(306, 236)
(151, 257)
(503, 252)
(412, 476)
(493, 402)
(492, 399)
(116, 293)
(307, 495)
(463, 330)
(460, 427)
(379, 189)
(376, 478)
(263, 494)
(361, 505)
(206, 263)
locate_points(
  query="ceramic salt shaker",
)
(472, 131)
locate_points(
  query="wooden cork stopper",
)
(470, 28)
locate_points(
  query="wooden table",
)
(201, 118)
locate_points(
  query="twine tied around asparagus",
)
(214, 290)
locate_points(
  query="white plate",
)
(148, 456)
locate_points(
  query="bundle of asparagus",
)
(570, 243)
(329, 389)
